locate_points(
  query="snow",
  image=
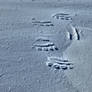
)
(64, 41)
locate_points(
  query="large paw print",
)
(42, 44)
(42, 23)
(62, 16)
(58, 63)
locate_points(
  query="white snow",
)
(25, 69)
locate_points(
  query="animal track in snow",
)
(42, 44)
(58, 63)
(73, 33)
(42, 23)
(62, 16)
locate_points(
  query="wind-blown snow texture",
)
(45, 46)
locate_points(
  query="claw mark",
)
(73, 33)
(49, 64)
(58, 63)
(78, 36)
(1, 75)
(56, 66)
(43, 44)
(42, 23)
(62, 16)
(64, 67)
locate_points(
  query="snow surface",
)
(42, 53)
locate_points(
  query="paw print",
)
(42, 23)
(58, 64)
(42, 44)
(62, 16)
